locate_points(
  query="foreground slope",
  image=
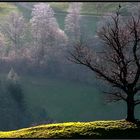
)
(97, 129)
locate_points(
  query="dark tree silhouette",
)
(118, 63)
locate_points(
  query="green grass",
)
(59, 6)
(90, 7)
(6, 9)
(97, 129)
(66, 100)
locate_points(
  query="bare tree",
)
(118, 62)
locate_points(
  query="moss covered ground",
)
(96, 129)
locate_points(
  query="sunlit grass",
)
(97, 129)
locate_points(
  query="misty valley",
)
(69, 68)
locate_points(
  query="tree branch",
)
(137, 102)
(116, 96)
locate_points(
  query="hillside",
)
(91, 11)
(97, 129)
(95, 8)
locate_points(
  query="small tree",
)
(119, 61)
(15, 89)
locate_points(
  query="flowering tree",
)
(14, 30)
(72, 21)
(45, 31)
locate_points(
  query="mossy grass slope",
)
(96, 129)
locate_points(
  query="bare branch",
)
(118, 62)
(137, 102)
(116, 96)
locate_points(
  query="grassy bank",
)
(97, 129)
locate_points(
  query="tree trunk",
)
(130, 108)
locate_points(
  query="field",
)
(97, 129)
(66, 100)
